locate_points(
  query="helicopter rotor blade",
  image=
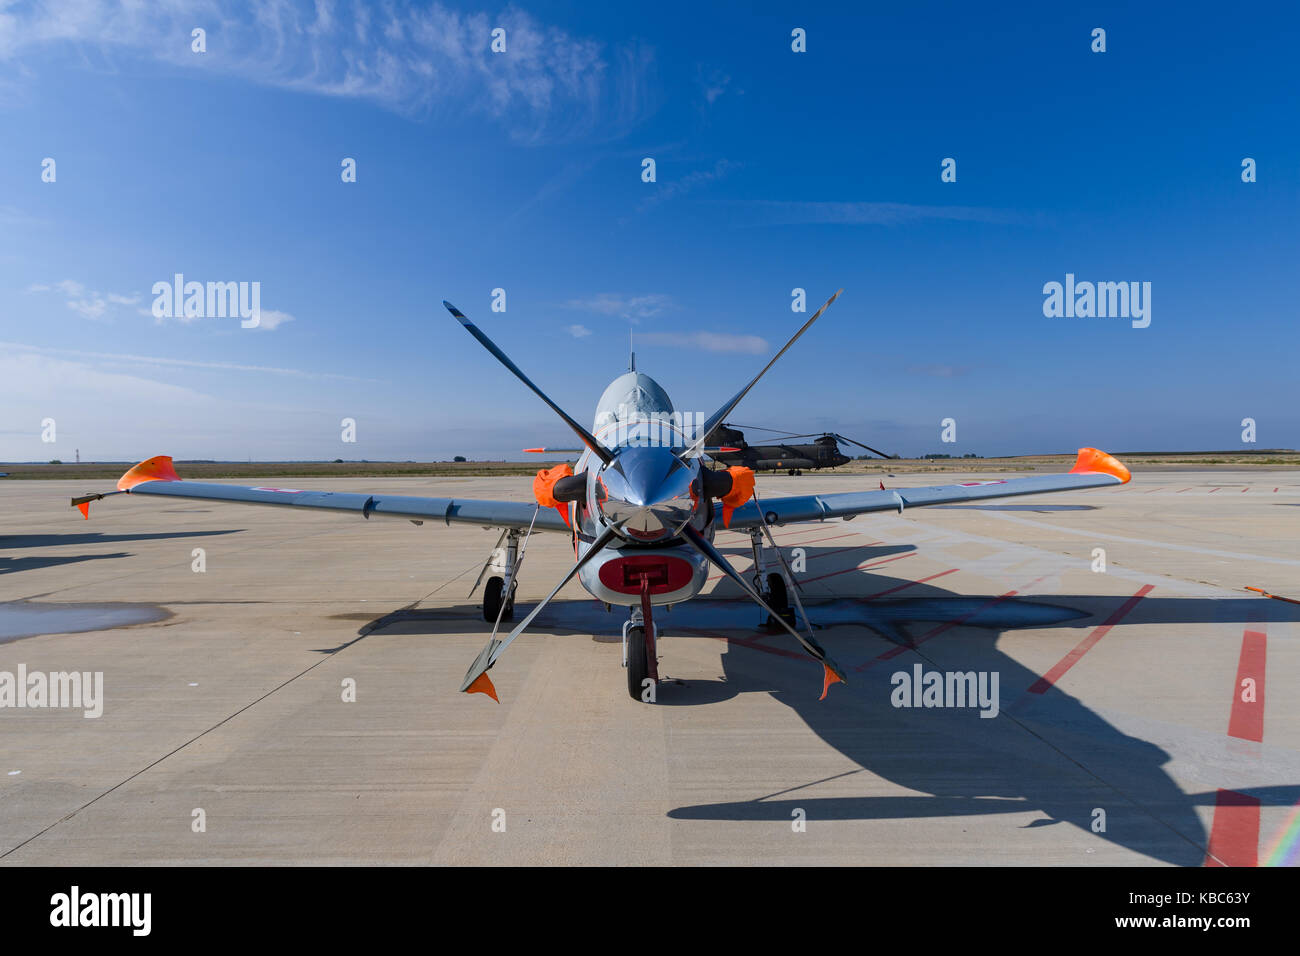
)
(839, 437)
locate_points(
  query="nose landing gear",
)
(640, 656)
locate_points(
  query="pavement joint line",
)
(229, 717)
(1080, 533)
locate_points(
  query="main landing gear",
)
(499, 593)
(772, 579)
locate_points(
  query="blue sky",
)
(522, 171)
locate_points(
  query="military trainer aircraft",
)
(641, 509)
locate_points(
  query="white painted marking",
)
(1147, 541)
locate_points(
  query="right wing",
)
(158, 477)
(1092, 469)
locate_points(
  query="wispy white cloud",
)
(713, 83)
(772, 212)
(548, 84)
(270, 319)
(680, 186)
(577, 331)
(121, 359)
(708, 341)
(87, 303)
(939, 370)
(615, 304)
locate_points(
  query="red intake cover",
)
(666, 573)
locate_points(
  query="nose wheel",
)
(637, 661)
(640, 656)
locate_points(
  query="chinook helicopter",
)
(640, 508)
(792, 457)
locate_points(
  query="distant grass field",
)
(1138, 461)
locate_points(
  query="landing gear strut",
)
(770, 580)
(640, 656)
(499, 593)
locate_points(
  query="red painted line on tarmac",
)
(1234, 834)
(811, 529)
(1180, 492)
(1246, 489)
(1247, 717)
(855, 547)
(1044, 683)
(834, 537)
(1153, 489)
(909, 584)
(934, 632)
(1213, 490)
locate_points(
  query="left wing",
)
(157, 476)
(1092, 469)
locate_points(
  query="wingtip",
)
(453, 310)
(1096, 461)
(157, 468)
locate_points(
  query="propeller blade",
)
(476, 679)
(716, 418)
(597, 449)
(702, 545)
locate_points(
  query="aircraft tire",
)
(492, 599)
(637, 667)
(509, 614)
(778, 599)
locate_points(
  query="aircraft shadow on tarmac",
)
(1047, 752)
(10, 565)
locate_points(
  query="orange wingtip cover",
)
(830, 678)
(84, 508)
(158, 468)
(1094, 461)
(483, 685)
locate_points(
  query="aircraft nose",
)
(649, 492)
